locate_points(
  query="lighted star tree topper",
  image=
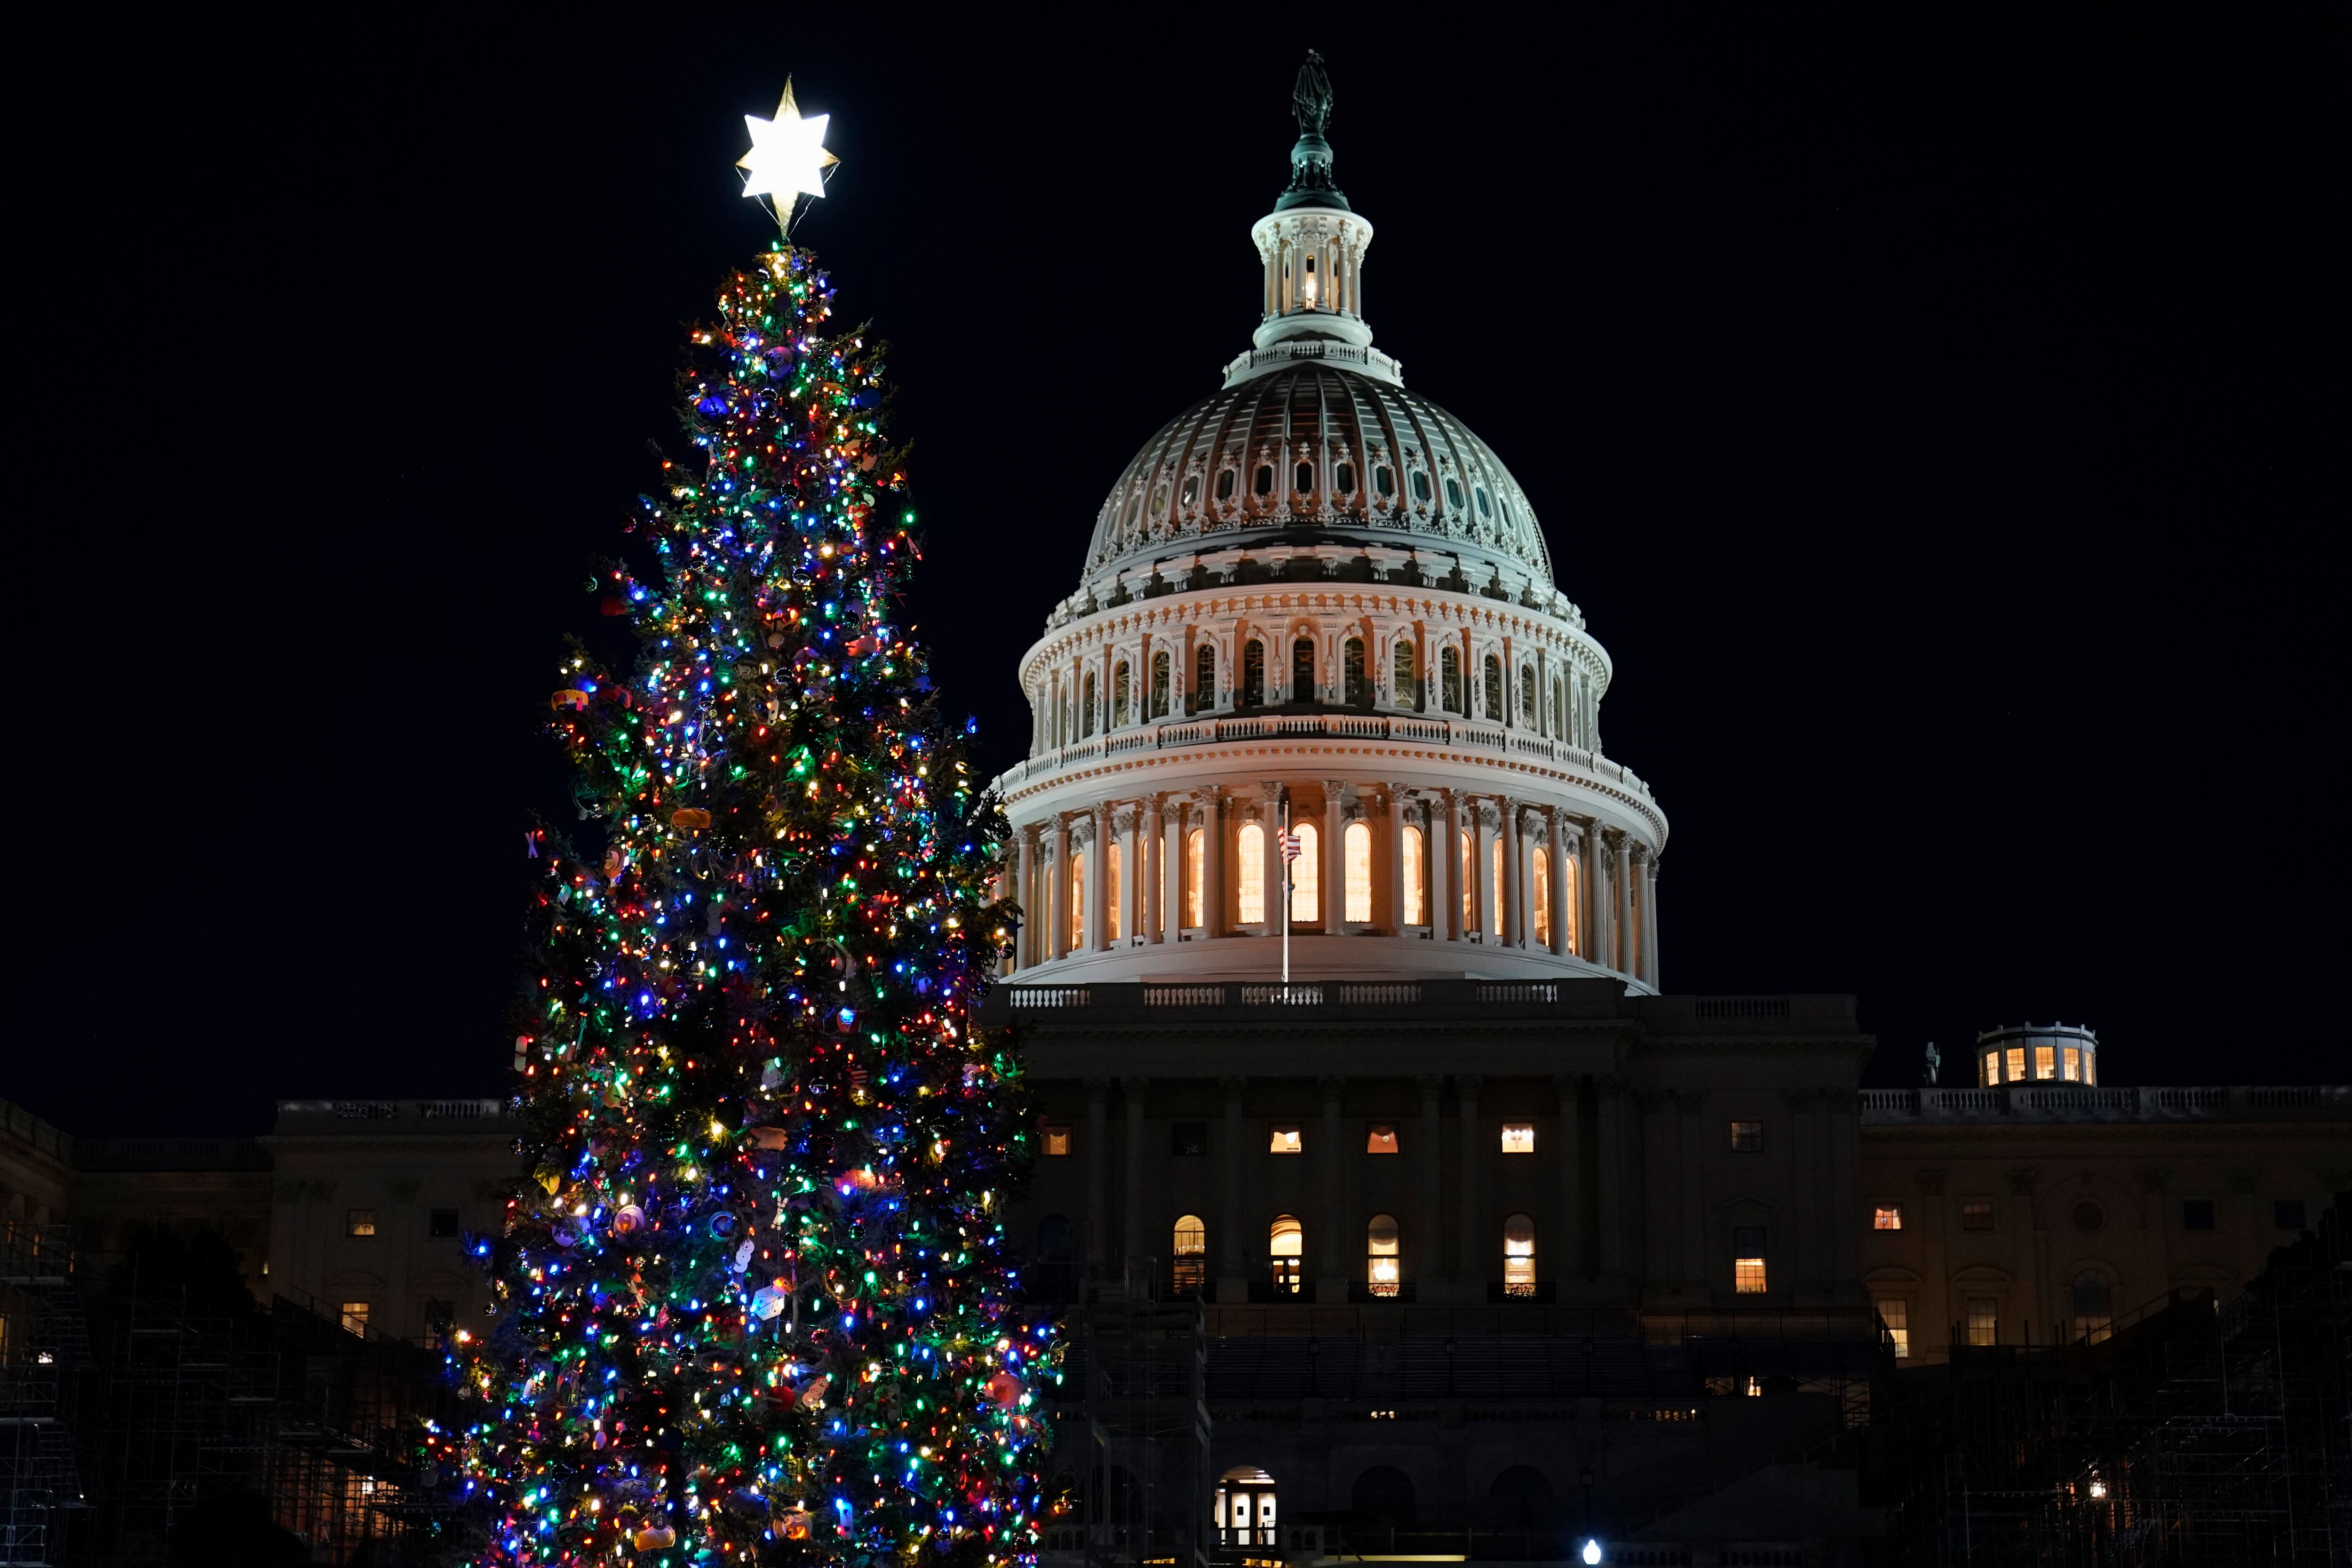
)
(787, 160)
(754, 1305)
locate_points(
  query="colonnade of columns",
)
(1441, 865)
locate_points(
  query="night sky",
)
(1938, 420)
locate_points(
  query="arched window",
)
(1417, 878)
(1356, 843)
(1119, 687)
(1249, 887)
(1307, 876)
(1159, 685)
(2093, 1305)
(1196, 844)
(1087, 707)
(1449, 678)
(1383, 1268)
(1286, 1250)
(1204, 678)
(1518, 1256)
(1408, 687)
(1494, 693)
(1188, 1251)
(1253, 674)
(1383, 1493)
(1495, 926)
(1540, 890)
(1527, 694)
(1078, 899)
(1469, 863)
(1351, 664)
(1302, 670)
(1114, 859)
(1246, 1509)
(1571, 901)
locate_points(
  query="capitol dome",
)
(1317, 706)
(1310, 452)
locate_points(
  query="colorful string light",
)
(754, 1304)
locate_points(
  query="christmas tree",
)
(754, 1304)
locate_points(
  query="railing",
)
(1456, 733)
(1302, 993)
(465, 1110)
(1047, 995)
(1721, 1008)
(1518, 991)
(1379, 993)
(1183, 996)
(2084, 1103)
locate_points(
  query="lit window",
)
(1976, 1213)
(1886, 1216)
(355, 1317)
(2197, 1214)
(1469, 863)
(1307, 877)
(1416, 875)
(2017, 1064)
(1493, 691)
(1518, 1256)
(1518, 1137)
(359, 1222)
(1286, 1246)
(1747, 1259)
(1357, 844)
(1249, 890)
(1988, 1070)
(1078, 898)
(1285, 1139)
(1894, 1315)
(2045, 1062)
(1191, 491)
(1383, 1268)
(1449, 678)
(1057, 1138)
(1748, 1138)
(1189, 1252)
(1380, 1138)
(1196, 846)
(1495, 889)
(1540, 890)
(2073, 1060)
(441, 1223)
(2090, 1067)
(1984, 1321)
(1406, 683)
(1114, 862)
(1569, 895)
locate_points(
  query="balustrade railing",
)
(2079, 1103)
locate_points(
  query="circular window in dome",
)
(2089, 1217)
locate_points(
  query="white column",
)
(1212, 862)
(1396, 860)
(1098, 927)
(1171, 870)
(1506, 825)
(1058, 901)
(1276, 869)
(1622, 950)
(1330, 864)
(1445, 869)
(1561, 893)
(1594, 892)
(1650, 920)
(1024, 946)
(1131, 875)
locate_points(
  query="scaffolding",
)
(126, 1407)
(1135, 1390)
(44, 1344)
(2193, 1431)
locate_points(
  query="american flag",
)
(1290, 847)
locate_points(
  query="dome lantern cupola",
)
(1311, 250)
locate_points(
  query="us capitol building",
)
(1462, 1221)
